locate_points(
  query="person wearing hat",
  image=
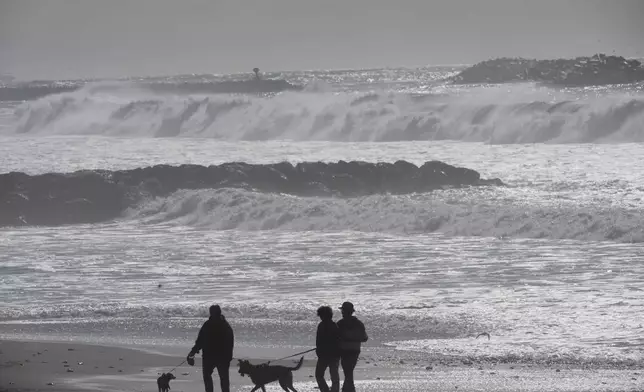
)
(216, 339)
(327, 348)
(352, 335)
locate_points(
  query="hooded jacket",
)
(352, 334)
(216, 339)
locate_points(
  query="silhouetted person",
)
(216, 339)
(256, 70)
(352, 334)
(327, 348)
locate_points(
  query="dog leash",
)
(294, 355)
(171, 370)
(279, 359)
(289, 356)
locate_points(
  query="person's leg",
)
(320, 368)
(334, 365)
(223, 369)
(207, 367)
(348, 362)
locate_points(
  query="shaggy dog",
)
(264, 374)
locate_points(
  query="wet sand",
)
(56, 367)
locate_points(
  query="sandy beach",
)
(44, 366)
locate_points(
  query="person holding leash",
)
(217, 340)
(327, 341)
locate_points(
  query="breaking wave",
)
(484, 115)
(454, 215)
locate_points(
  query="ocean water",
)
(551, 265)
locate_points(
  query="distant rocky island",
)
(599, 69)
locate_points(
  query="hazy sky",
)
(92, 38)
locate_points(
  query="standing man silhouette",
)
(216, 339)
(352, 334)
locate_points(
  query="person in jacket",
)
(217, 340)
(352, 335)
(327, 348)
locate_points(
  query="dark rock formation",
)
(98, 195)
(581, 71)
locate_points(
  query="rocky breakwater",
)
(581, 71)
(27, 91)
(98, 195)
(224, 87)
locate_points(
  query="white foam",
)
(487, 212)
(498, 115)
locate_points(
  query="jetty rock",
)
(91, 196)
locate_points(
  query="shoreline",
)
(30, 366)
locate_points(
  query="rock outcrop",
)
(581, 71)
(97, 195)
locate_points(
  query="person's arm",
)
(335, 338)
(340, 330)
(318, 339)
(334, 332)
(199, 342)
(230, 341)
(364, 336)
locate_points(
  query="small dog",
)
(163, 382)
(264, 374)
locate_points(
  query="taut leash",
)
(184, 361)
(294, 355)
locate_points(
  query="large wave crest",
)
(453, 215)
(485, 115)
